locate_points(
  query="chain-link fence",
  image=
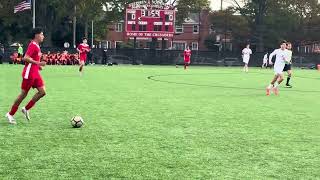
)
(171, 57)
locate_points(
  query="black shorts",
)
(287, 67)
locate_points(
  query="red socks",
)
(13, 110)
(30, 105)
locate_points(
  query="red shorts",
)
(27, 84)
(187, 62)
(83, 58)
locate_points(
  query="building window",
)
(149, 44)
(218, 38)
(179, 29)
(141, 44)
(196, 29)
(179, 45)
(211, 29)
(118, 44)
(108, 45)
(119, 27)
(157, 28)
(195, 46)
(142, 27)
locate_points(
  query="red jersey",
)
(187, 55)
(31, 71)
(84, 49)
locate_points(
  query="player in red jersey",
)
(187, 57)
(31, 77)
(83, 49)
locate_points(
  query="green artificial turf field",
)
(204, 123)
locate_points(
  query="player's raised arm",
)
(271, 56)
(78, 49)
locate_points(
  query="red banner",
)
(149, 34)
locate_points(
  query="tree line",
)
(265, 22)
(260, 22)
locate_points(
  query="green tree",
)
(13, 27)
(272, 20)
(227, 22)
(184, 7)
(55, 16)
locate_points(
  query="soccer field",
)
(161, 122)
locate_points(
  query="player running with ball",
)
(282, 59)
(83, 49)
(31, 77)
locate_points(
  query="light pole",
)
(225, 31)
(34, 14)
(92, 46)
(74, 27)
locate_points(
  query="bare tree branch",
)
(237, 3)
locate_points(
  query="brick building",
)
(309, 47)
(193, 32)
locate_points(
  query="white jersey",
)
(265, 59)
(282, 57)
(246, 52)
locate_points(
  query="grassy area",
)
(197, 124)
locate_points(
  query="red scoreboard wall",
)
(150, 23)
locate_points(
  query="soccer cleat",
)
(276, 90)
(288, 86)
(26, 114)
(10, 119)
(268, 91)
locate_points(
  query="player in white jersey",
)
(246, 52)
(265, 61)
(282, 59)
(287, 67)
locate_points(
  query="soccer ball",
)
(77, 122)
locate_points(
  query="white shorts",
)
(278, 69)
(245, 60)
